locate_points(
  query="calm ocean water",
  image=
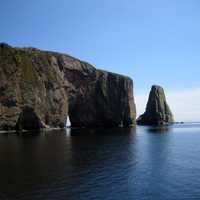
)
(142, 163)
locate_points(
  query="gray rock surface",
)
(157, 110)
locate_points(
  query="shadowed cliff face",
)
(157, 110)
(55, 85)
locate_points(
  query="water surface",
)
(143, 163)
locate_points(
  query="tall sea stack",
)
(157, 110)
(41, 89)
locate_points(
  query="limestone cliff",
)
(157, 110)
(40, 89)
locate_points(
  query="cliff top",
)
(36, 51)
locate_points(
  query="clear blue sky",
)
(152, 41)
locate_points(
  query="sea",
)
(138, 163)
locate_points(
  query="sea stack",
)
(157, 110)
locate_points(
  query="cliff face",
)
(40, 89)
(99, 98)
(28, 79)
(157, 110)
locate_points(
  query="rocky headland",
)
(39, 89)
(157, 110)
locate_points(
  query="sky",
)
(152, 41)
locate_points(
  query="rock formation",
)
(157, 110)
(40, 89)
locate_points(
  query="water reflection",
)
(101, 131)
(159, 129)
(65, 163)
(111, 164)
(101, 162)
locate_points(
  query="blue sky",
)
(152, 41)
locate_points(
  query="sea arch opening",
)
(68, 122)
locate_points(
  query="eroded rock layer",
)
(157, 110)
(53, 85)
